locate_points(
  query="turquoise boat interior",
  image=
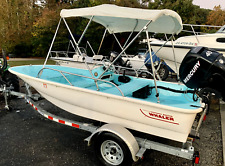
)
(170, 94)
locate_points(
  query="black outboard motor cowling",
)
(204, 68)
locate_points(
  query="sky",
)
(209, 4)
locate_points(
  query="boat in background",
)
(183, 45)
(78, 61)
(131, 63)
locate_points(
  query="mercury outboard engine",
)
(203, 68)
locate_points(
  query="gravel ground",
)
(27, 138)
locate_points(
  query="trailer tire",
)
(163, 72)
(112, 150)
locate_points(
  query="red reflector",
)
(196, 157)
(204, 118)
(49, 117)
(75, 125)
(62, 121)
(197, 160)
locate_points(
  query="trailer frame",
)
(186, 151)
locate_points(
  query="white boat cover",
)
(123, 19)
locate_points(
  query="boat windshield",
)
(221, 30)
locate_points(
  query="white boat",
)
(183, 45)
(78, 61)
(155, 107)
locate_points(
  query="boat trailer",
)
(136, 146)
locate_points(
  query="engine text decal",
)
(192, 72)
(159, 116)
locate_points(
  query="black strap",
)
(173, 90)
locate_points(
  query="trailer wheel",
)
(112, 151)
(163, 72)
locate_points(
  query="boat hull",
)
(148, 117)
(166, 53)
(136, 62)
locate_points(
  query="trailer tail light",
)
(196, 157)
(204, 118)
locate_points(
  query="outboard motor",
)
(203, 68)
(119, 61)
(7, 78)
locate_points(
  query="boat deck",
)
(115, 84)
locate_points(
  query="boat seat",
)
(127, 88)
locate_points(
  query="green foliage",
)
(28, 29)
(43, 30)
(216, 16)
(190, 14)
(23, 49)
(16, 18)
(39, 61)
(41, 43)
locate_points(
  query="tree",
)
(128, 3)
(190, 14)
(216, 16)
(43, 30)
(184, 8)
(29, 28)
(16, 18)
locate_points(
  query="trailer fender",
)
(121, 132)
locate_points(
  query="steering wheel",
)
(107, 63)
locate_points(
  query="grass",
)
(30, 62)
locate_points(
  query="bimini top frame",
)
(118, 19)
(123, 19)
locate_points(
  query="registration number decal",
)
(44, 85)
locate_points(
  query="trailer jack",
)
(7, 92)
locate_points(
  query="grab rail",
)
(95, 79)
